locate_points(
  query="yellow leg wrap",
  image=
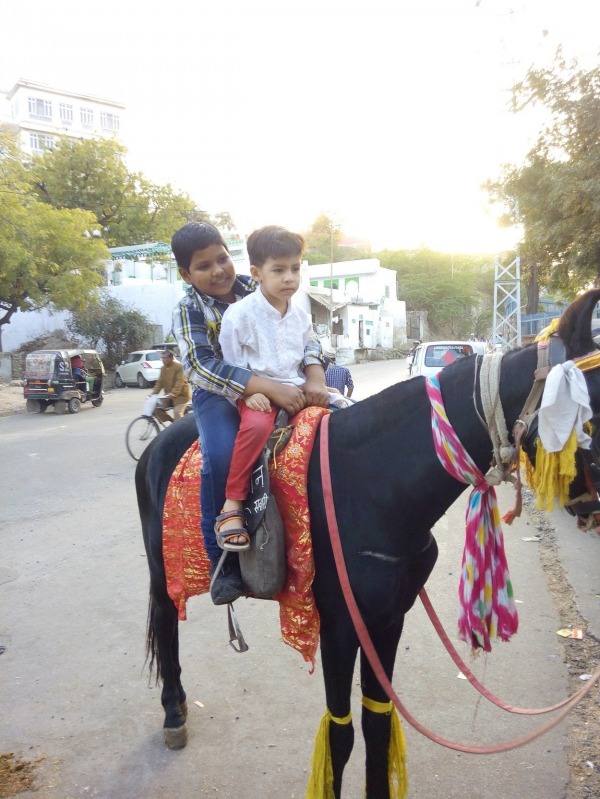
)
(320, 783)
(397, 774)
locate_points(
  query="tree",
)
(323, 244)
(92, 175)
(554, 194)
(455, 290)
(48, 257)
(119, 327)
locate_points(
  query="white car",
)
(432, 356)
(140, 368)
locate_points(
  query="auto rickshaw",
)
(64, 379)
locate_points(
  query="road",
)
(74, 587)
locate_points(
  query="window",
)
(65, 111)
(38, 142)
(87, 117)
(109, 121)
(40, 109)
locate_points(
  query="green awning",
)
(137, 251)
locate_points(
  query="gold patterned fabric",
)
(186, 563)
(187, 566)
(298, 614)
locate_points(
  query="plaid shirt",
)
(339, 377)
(196, 326)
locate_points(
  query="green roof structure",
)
(136, 252)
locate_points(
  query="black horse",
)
(389, 490)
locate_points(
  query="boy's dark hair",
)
(273, 241)
(191, 237)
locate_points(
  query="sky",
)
(386, 115)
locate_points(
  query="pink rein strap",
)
(369, 649)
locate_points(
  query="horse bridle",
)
(551, 353)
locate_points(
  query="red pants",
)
(253, 434)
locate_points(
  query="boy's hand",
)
(258, 402)
(316, 392)
(290, 398)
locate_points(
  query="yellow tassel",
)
(553, 474)
(545, 334)
(320, 783)
(397, 774)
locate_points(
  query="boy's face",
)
(211, 272)
(279, 279)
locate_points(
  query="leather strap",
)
(549, 354)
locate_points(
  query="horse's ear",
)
(575, 325)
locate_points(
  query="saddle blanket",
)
(187, 566)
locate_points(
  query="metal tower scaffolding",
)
(506, 330)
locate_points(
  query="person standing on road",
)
(176, 387)
(338, 377)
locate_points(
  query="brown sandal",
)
(223, 537)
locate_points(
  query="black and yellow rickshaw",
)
(64, 379)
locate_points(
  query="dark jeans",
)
(218, 421)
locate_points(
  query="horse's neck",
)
(461, 390)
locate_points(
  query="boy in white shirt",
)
(263, 332)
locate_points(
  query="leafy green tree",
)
(455, 290)
(323, 244)
(48, 257)
(92, 175)
(554, 194)
(322, 241)
(111, 324)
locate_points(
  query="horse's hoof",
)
(175, 737)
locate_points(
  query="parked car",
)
(432, 356)
(140, 368)
(167, 345)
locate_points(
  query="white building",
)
(154, 261)
(42, 113)
(354, 303)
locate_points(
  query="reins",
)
(371, 654)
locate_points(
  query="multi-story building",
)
(42, 113)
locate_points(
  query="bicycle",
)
(142, 430)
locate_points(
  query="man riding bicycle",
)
(177, 390)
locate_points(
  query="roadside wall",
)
(155, 300)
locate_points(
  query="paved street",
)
(74, 588)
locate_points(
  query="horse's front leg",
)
(339, 646)
(377, 717)
(163, 632)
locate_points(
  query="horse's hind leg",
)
(377, 712)
(164, 634)
(339, 646)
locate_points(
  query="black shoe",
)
(228, 585)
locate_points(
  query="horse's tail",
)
(152, 658)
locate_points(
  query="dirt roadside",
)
(582, 657)
(11, 398)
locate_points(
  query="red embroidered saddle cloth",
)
(187, 566)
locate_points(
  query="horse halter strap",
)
(549, 354)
